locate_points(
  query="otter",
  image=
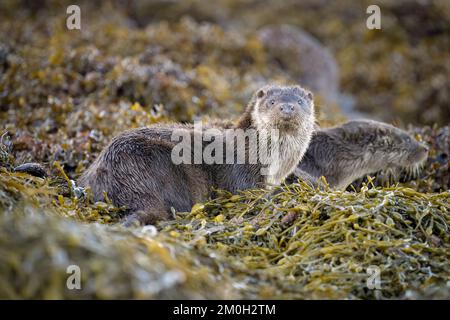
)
(355, 149)
(137, 170)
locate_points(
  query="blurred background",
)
(400, 72)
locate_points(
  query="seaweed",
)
(296, 242)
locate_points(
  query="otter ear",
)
(297, 89)
(309, 95)
(260, 94)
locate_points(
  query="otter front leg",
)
(306, 177)
(297, 175)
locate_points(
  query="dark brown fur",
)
(136, 169)
(355, 149)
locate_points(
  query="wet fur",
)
(355, 149)
(136, 169)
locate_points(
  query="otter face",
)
(399, 148)
(284, 108)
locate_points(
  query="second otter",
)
(355, 149)
(136, 170)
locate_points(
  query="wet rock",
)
(289, 219)
(304, 56)
(35, 169)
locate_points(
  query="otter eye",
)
(385, 141)
(272, 102)
(299, 101)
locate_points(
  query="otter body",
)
(355, 149)
(137, 169)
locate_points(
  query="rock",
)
(35, 169)
(289, 218)
(305, 57)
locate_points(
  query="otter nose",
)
(287, 109)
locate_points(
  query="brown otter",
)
(137, 169)
(355, 149)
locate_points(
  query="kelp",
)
(321, 243)
(290, 242)
(37, 247)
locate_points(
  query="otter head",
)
(388, 146)
(402, 150)
(287, 108)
